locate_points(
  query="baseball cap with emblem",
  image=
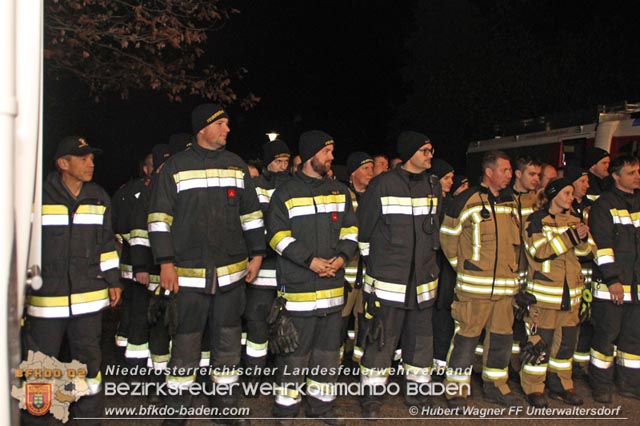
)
(75, 145)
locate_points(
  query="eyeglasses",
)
(426, 151)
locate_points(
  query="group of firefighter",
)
(409, 264)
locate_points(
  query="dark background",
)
(365, 70)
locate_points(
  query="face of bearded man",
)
(321, 162)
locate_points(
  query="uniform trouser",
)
(413, 329)
(83, 335)
(443, 327)
(137, 349)
(318, 350)
(159, 341)
(259, 301)
(559, 330)
(351, 313)
(472, 316)
(122, 334)
(581, 354)
(223, 313)
(621, 324)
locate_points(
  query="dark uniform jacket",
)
(79, 259)
(123, 203)
(398, 217)
(310, 218)
(266, 184)
(204, 216)
(614, 221)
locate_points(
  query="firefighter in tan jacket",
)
(480, 236)
(554, 239)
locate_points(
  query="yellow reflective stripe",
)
(94, 383)
(476, 241)
(91, 209)
(330, 199)
(604, 256)
(90, 296)
(49, 301)
(139, 233)
(558, 245)
(298, 202)
(323, 388)
(349, 233)
(109, 260)
(160, 217)
(180, 382)
(536, 370)
(494, 373)
(252, 220)
(55, 209)
(315, 295)
(285, 391)
(207, 174)
(230, 274)
(281, 240)
(560, 364)
(364, 248)
(191, 272)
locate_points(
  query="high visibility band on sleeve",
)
(264, 194)
(281, 241)
(604, 256)
(427, 291)
(252, 220)
(121, 341)
(140, 242)
(266, 278)
(600, 291)
(230, 274)
(364, 248)
(558, 245)
(126, 271)
(349, 233)
(109, 260)
(159, 217)
(257, 350)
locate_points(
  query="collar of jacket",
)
(624, 195)
(207, 153)
(309, 179)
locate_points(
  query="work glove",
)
(521, 304)
(373, 327)
(585, 305)
(533, 353)
(171, 314)
(156, 309)
(276, 307)
(283, 336)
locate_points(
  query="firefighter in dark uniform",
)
(121, 208)
(480, 237)
(206, 231)
(79, 270)
(443, 325)
(262, 291)
(312, 227)
(360, 171)
(131, 334)
(597, 162)
(614, 221)
(555, 239)
(399, 225)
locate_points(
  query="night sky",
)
(365, 70)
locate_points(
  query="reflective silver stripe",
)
(600, 291)
(364, 248)
(159, 227)
(139, 241)
(283, 244)
(417, 374)
(137, 351)
(48, 311)
(55, 219)
(87, 307)
(560, 364)
(315, 304)
(628, 360)
(231, 278)
(212, 182)
(330, 207)
(232, 377)
(177, 382)
(94, 384)
(301, 211)
(257, 350)
(287, 401)
(494, 374)
(537, 370)
(88, 219)
(193, 282)
(266, 278)
(601, 360)
(580, 357)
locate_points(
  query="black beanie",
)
(311, 142)
(409, 142)
(555, 186)
(274, 149)
(205, 114)
(160, 153)
(439, 167)
(573, 173)
(458, 181)
(179, 142)
(593, 155)
(357, 159)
